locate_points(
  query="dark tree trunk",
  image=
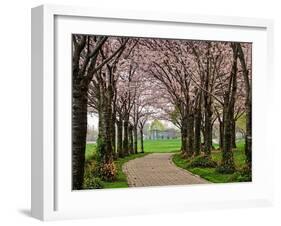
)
(197, 134)
(108, 126)
(113, 133)
(208, 130)
(197, 127)
(79, 118)
(248, 140)
(131, 140)
(135, 139)
(119, 138)
(190, 135)
(105, 131)
(104, 142)
(141, 140)
(184, 140)
(233, 133)
(101, 136)
(248, 106)
(79, 131)
(221, 135)
(227, 164)
(208, 110)
(126, 136)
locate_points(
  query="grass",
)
(90, 151)
(162, 146)
(173, 145)
(150, 146)
(211, 174)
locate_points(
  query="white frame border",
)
(43, 120)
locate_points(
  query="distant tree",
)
(157, 125)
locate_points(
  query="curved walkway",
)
(157, 169)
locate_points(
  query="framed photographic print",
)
(134, 112)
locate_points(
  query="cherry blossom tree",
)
(128, 81)
(86, 63)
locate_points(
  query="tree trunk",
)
(248, 140)
(79, 131)
(119, 138)
(248, 106)
(135, 139)
(184, 140)
(233, 133)
(126, 136)
(141, 137)
(227, 164)
(104, 142)
(208, 111)
(190, 135)
(221, 135)
(131, 140)
(108, 126)
(113, 134)
(197, 133)
(208, 130)
(197, 126)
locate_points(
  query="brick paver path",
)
(158, 169)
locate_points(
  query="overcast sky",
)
(93, 120)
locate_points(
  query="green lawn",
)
(90, 151)
(171, 145)
(211, 174)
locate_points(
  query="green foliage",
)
(203, 162)
(91, 175)
(241, 177)
(157, 125)
(179, 160)
(212, 175)
(90, 151)
(225, 169)
(238, 155)
(175, 115)
(100, 148)
(90, 179)
(93, 183)
(241, 123)
(242, 174)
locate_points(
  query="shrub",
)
(225, 169)
(92, 183)
(107, 171)
(243, 175)
(203, 161)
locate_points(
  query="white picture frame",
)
(52, 197)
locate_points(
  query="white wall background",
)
(15, 112)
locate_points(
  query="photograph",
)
(160, 111)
